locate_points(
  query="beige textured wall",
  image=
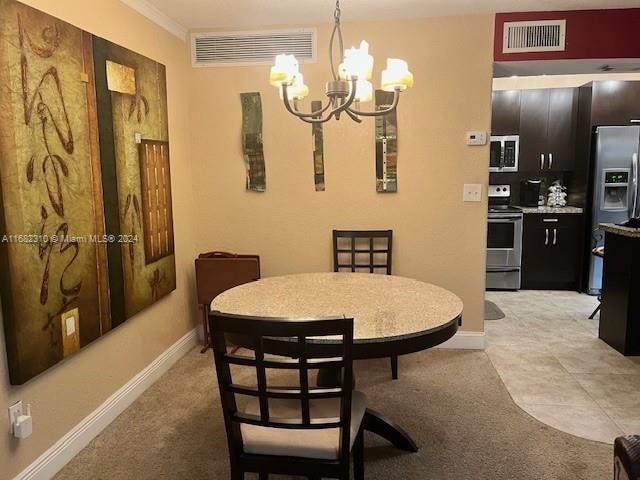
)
(65, 394)
(437, 237)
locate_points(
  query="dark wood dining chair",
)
(217, 272)
(349, 246)
(300, 430)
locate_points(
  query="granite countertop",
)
(618, 230)
(382, 306)
(552, 210)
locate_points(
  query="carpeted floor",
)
(451, 401)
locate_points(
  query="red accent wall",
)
(590, 34)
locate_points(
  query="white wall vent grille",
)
(535, 36)
(226, 49)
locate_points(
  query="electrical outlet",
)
(15, 411)
(472, 192)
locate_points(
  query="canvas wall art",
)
(386, 145)
(318, 149)
(252, 141)
(86, 229)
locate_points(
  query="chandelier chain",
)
(338, 30)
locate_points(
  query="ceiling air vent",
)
(232, 49)
(535, 36)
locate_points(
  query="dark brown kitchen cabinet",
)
(505, 112)
(548, 121)
(551, 246)
(615, 102)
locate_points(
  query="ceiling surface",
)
(195, 14)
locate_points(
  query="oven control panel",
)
(499, 191)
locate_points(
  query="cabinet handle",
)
(546, 236)
(635, 121)
(542, 161)
(550, 161)
(555, 235)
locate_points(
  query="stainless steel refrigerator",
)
(615, 189)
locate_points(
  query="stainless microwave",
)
(504, 153)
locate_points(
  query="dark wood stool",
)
(626, 454)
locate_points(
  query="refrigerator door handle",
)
(542, 161)
(634, 164)
(546, 236)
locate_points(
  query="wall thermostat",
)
(476, 138)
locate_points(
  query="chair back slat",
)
(255, 330)
(286, 363)
(354, 264)
(261, 374)
(304, 379)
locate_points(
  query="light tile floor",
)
(550, 358)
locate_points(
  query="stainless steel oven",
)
(504, 241)
(504, 153)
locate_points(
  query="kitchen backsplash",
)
(514, 178)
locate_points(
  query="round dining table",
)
(392, 316)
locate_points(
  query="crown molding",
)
(146, 9)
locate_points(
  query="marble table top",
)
(383, 306)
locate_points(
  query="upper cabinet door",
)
(505, 112)
(615, 102)
(534, 122)
(561, 137)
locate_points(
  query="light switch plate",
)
(472, 192)
(476, 138)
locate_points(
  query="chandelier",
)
(350, 87)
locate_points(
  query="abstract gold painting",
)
(86, 228)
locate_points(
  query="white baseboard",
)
(465, 340)
(56, 457)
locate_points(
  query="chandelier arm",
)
(353, 116)
(317, 120)
(291, 109)
(376, 113)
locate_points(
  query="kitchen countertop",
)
(618, 230)
(551, 210)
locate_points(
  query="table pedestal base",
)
(389, 430)
(373, 421)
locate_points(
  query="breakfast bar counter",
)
(620, 312)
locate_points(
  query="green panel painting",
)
(318, 149)
(76, 217)
(252, 141)
(386, 145)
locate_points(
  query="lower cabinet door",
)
(551, 254)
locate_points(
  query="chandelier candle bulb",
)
(296, 89)
(397, 76)
(284, 70)
(364, 91)
(357, 63)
